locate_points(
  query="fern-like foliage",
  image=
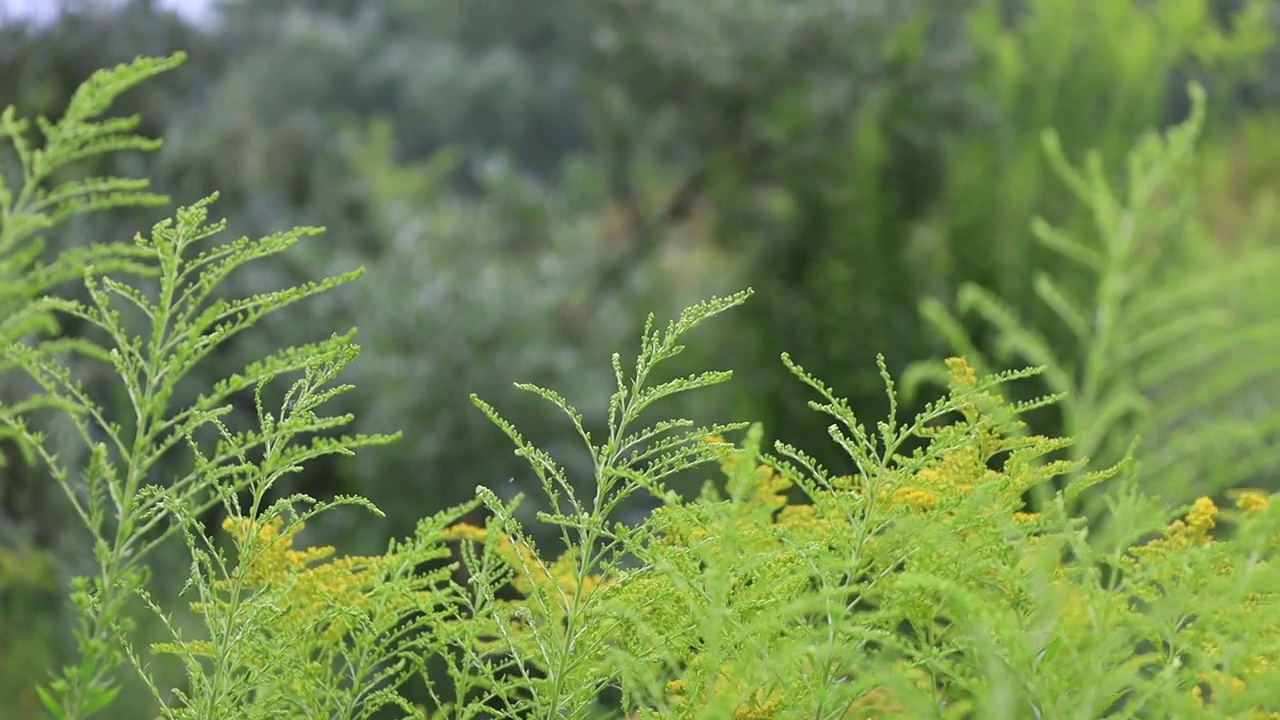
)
(916, 582)
(1177, 342)
(921, 585)
(34, 200)
(549, 644)
(298, 634)
(154, 303)
(739, 575)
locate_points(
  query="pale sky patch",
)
(44, 11)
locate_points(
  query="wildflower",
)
(1252, 501)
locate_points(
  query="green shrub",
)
(856, 162)
(1172, 338)
(157, 319)
(915, 582)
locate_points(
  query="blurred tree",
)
(813, 131)
(332, 114)
(525, 179)
(276, 119)
(1099, 73)
(861, 156)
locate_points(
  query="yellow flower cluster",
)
(915, 498)
(956, 472)
(987, 452)
(1195, 528)
(1252, 501)
(942, 483)
(962, 374)
(758, 705)
(532, 572)
(274, 559)
(1179, 537)
(314, 591)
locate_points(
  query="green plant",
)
(920, 586)
(36, 196)
(155, 327)
(916, 581)
(1100, 74)
(1172, 339)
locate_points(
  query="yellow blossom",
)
(1252, 501)
(915, 498)
(962, 374)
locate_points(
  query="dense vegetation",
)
(975, 180)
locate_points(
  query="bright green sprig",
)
(153, 302)
(628, 460)
(1168, 344)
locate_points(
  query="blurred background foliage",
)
(525, 180)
